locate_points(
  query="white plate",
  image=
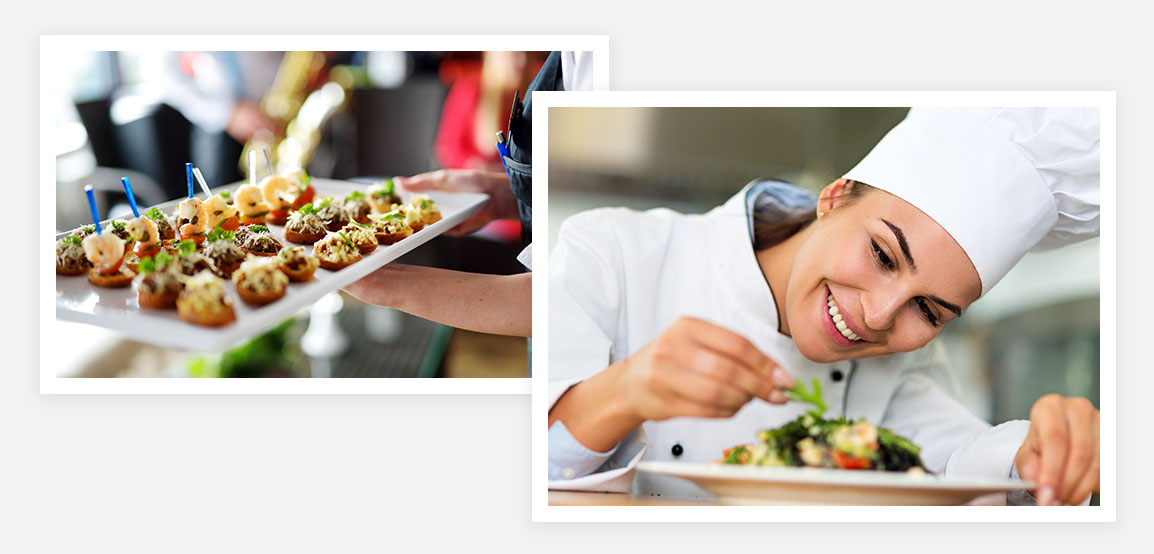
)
(756, 485)
(117, 308)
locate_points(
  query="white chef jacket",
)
(618, 278)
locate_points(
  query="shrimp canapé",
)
(277, 197)
(250, 204)
(191, 220)
(220, 213)
(147, 236)
(106, 253)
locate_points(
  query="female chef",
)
(673, 335)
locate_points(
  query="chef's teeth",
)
(839, 321)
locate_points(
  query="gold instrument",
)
(301, 108)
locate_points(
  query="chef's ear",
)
(833, 196)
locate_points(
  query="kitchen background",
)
(343, 115)
(1037, 332)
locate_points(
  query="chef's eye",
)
(927, 313)
(882, 258)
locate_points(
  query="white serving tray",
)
(117, 308)
(740, 485)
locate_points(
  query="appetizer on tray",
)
(391, 227)
(297, 264)
(425, 208)
(336, 251)
(224, 252)
(258, 240)
(105, 251)
(300, 189)
(276, 196)
(305, 226)
(220, 213)
(260, 281)
(383, 197)
(811, 440)
(191, 261)
(204, 301)
(163, 225)
(358, 207)
(159, 283)
(70, 256)
(333, 212)
(362, 236)
(250, 204)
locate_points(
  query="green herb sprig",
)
(813, 397)
(308, 209)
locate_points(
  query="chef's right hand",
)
(698, 369)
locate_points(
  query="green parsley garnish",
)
(154, 263)
(813, 397)
(187, 247)
(117, 224)
(393, 215)
(225, 195)
(88, 229)
(72, 239)
(258, 228)
(221, 234)
(355, 195)
(154, 214)
(386, 189)
(325, 203)
(424, 204)
(308, 209)
(346, 239)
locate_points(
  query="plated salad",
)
(811, 440)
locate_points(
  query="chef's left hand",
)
(1061, 451)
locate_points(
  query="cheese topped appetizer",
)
(298, 264)
(305, 226)
(333, 212)
(336, 251)
(224, 252)
(426, 208)
(70, 257)
(391, 227)
(260, 281)
(159, 282)
(258, 240)
(362, 236)
(383, 197)
(204, 302)
(357, 204)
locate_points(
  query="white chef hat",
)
(1001, 181)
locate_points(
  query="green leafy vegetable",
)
(355, 196)
(813, 397)
(425, 204)
(258, 228)
(308, 209)
(225, 195)
(88, 229)
(325, 203)
(346, 239)
(387, 188)
(154, 214)
(187, 247)
(393, 215)
(72, 239)
(221, 234)
(117, 224)
(734, 455)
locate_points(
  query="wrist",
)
(596, 412)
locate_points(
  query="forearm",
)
(594, 412)
(498, 304)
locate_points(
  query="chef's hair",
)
(773, 223)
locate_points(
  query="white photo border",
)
(1106, 512)
(55, 47)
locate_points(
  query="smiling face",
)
(871, 276)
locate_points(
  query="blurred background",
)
(357, 116)
(1036, 332)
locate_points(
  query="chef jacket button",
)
(836, 375)
(677, 450)
(568, 473)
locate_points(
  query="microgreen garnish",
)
(424, 204)
(355, 195)
(72, 239)
(386, 189)
(393, 215)
(325, 203)
(346, 239)
(88, 229)
(258, 228)
(308, 209)
(187, 247)
(117, 224)
(154, 263)
(221, 234)
(813, 397)
(225, 195)
(154, 214)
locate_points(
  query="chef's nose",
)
(880, 307)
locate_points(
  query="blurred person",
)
(500, 304)
(677, 335)
(220, 94)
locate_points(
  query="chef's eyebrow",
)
(951, 307)
(903, 244)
